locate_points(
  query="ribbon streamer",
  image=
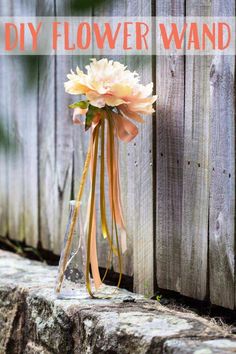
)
(117, 126)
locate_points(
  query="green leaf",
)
(80, 104)
(92, 112)
(158, 298)
(89, 118)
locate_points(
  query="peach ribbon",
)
(120, 127)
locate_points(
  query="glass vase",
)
(71, 278)
(70, 281)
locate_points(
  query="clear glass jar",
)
(70, 281)
(71, 278)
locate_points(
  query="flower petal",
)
(121, 90)
(132, 115)
(95, 99)
(113, 101)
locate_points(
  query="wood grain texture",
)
(15, 115)
(64, 139)
(194, 243)
(29, 119)
(21, 114)
(169, 156)
(140, 191)
(3, 152)
(30, 173)
(4, 117)
(47, 141)
(222, 188)
(140, 177)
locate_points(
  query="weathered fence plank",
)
(169, 157)
(137, 176)
(3, 152)
(46, 140)
(140, 177)
(64, 139)
(140, 158)
(22, 168)
(222, 188)
(16, 165)
(30, 138)
(4, 123)
(27, 117)
(196, 169)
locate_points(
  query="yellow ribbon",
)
(95, 270)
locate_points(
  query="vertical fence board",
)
(3, 151)
(140, 160)
(195, 173)
(47, 150)
(222, 190)
(64, 140)
(169, 157)
(137, 176)
(46, 131)
(15, 166)
(30, 140)
(15, 114)
(29, 117)
(30, 172)
(4, 69)
(140, 177)
(21, 112)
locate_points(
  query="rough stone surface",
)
(213, 346)
(33, 320)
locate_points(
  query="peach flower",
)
(110, 83)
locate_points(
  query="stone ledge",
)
(33, 321)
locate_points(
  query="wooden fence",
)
(178, 176)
